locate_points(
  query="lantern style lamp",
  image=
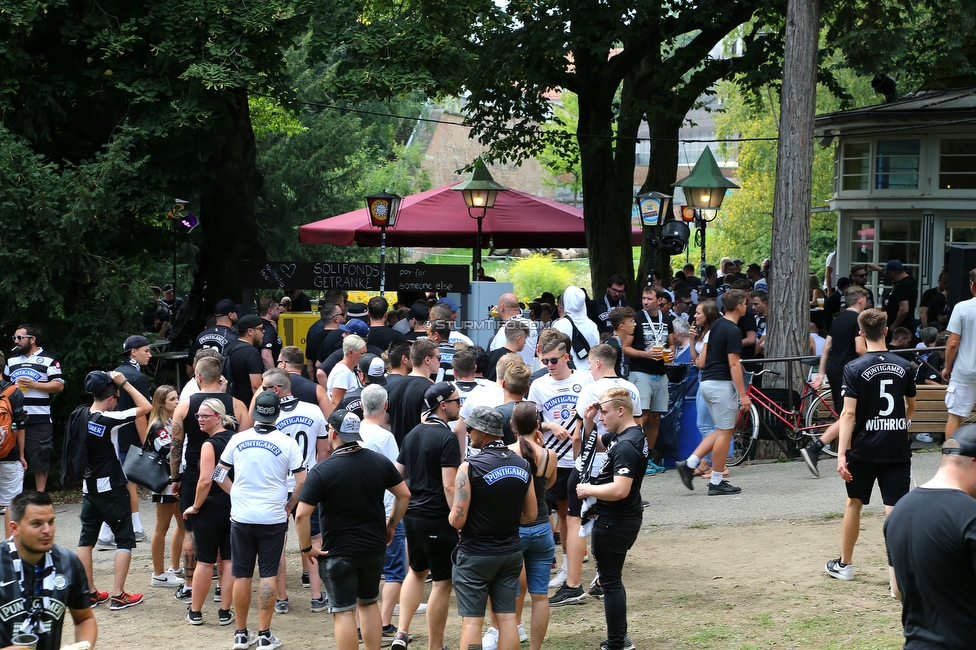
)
(479, 190)
(384, 208)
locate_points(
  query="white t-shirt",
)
(454, 337)
(963, 323)
(557, 403)
(191, 388)
(528, 352)
(381, 441)
(341, 377)
(305, 424)
(591, 393)
(262, 463)
(483, 395)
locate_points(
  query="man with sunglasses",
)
(598, 309)
(619, 512)
(38, 375)
(428, 460)
(859, 278)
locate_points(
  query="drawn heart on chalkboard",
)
(288, 269)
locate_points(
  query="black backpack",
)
(74, 453)
(581, 347)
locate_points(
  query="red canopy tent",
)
(439, 218)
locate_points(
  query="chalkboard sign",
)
(354, 276)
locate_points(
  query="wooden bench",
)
(930, 410)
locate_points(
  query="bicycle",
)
(814, 405)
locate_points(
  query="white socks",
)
(716, 477)
(693, 461)
(136, 523)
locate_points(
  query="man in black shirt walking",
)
(879, 399)
(242, 360)
(492, 496)
(618, 503)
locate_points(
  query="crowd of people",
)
(482, 471)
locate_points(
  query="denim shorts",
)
(395, 567)
(351, 580)
(537, 549)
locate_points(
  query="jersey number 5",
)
(886, 396)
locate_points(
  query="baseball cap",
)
(355, 326)
(96, 381)
(167, 287)
(437, 393)
(373, 367)
(487, 420)
(266, 407)
(225, 307)
(356, 310)
(134, 342)
(707, 291)
(962, 442)
(419, 311)
(453, 306)
(247, 322)
(894, 266)
(346, 424)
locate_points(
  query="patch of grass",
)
(711, 634)
(700, 526)
(764, 619)
(833, 514)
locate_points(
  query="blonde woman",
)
(164, 403)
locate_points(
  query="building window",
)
(897, 165)
(855, 165)
(878, 240)
(957, 165)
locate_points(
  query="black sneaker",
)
(217, 594)
(194, 618)
(400, 641)
(596, 589)
(628, 644)
(722, 488)
(225, 616)
(567, 595)
(810, 456)
(389, 634)
(183, 594)
(686, 473)
(306, 583)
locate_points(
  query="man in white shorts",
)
(960, 360)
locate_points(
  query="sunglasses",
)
(18, 338)
(551, 361)
(269, 387)
(204, 416)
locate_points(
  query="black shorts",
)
(351, 580)
(164, 499)
(211, 533)
(430, 543)
(38, 445)
(263, 542)
(575, 503)
(559, 490)
(894, 480)
(111, 507)
(836, 383)
(188, 494)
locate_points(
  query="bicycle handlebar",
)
(759, 373)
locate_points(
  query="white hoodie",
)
(574, 306)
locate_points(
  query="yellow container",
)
(293, 326)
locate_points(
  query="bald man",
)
(508, 308)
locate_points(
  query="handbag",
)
(146, 468)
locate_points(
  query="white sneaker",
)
(560, 578)
(420, 609)
(175, 572)
(269, 642)
(165, 580)
(489, 641)
(924, 437)
(523, 637)
(840, 571)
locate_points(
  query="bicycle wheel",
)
(819, 415)
(744, 436)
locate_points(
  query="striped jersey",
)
(42, 368)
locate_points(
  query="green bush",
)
(538, 273)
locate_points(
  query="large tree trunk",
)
(607, 196)
(787, 329)
(227, 215)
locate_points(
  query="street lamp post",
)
(704, 192)
(654, 208)
(479, 191)
(383, 211)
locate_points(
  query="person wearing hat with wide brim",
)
(137, 355)
(219, 335)
(492, 497)
(355, 528)
(930, 537)
(262, 458)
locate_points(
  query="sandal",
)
(703, 467)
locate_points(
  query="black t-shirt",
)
(930, 369)
(69, 591)
(506, 409)
(103, 471)
(352, 400)
(414, 336)
(271, 339)
(626, 456)
(499, 479)
(216, 337)
(193, 437)
(748, 324)
(313, 339)
(406, 404)
(301, 302)
(425, 451)
(880, 381)
(724, 338)
(493, 358)
(348, 488)
(245, 360)
(133, 373)
(931, 541)
(216, 497)
(843, 344)
(381, 337)
(650, 331)
(904, 289)
(331, 343)
(832, 305)
(303, 389)
(599, 310)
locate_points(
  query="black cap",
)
(962, 442)
(266, 407)
(373, 368)
(707, 291)
(167, 287)
(134, 342)
(248, 321)
(356, 310)
(346, 424)
(225, 307)
(96, 381)
(437, 393)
